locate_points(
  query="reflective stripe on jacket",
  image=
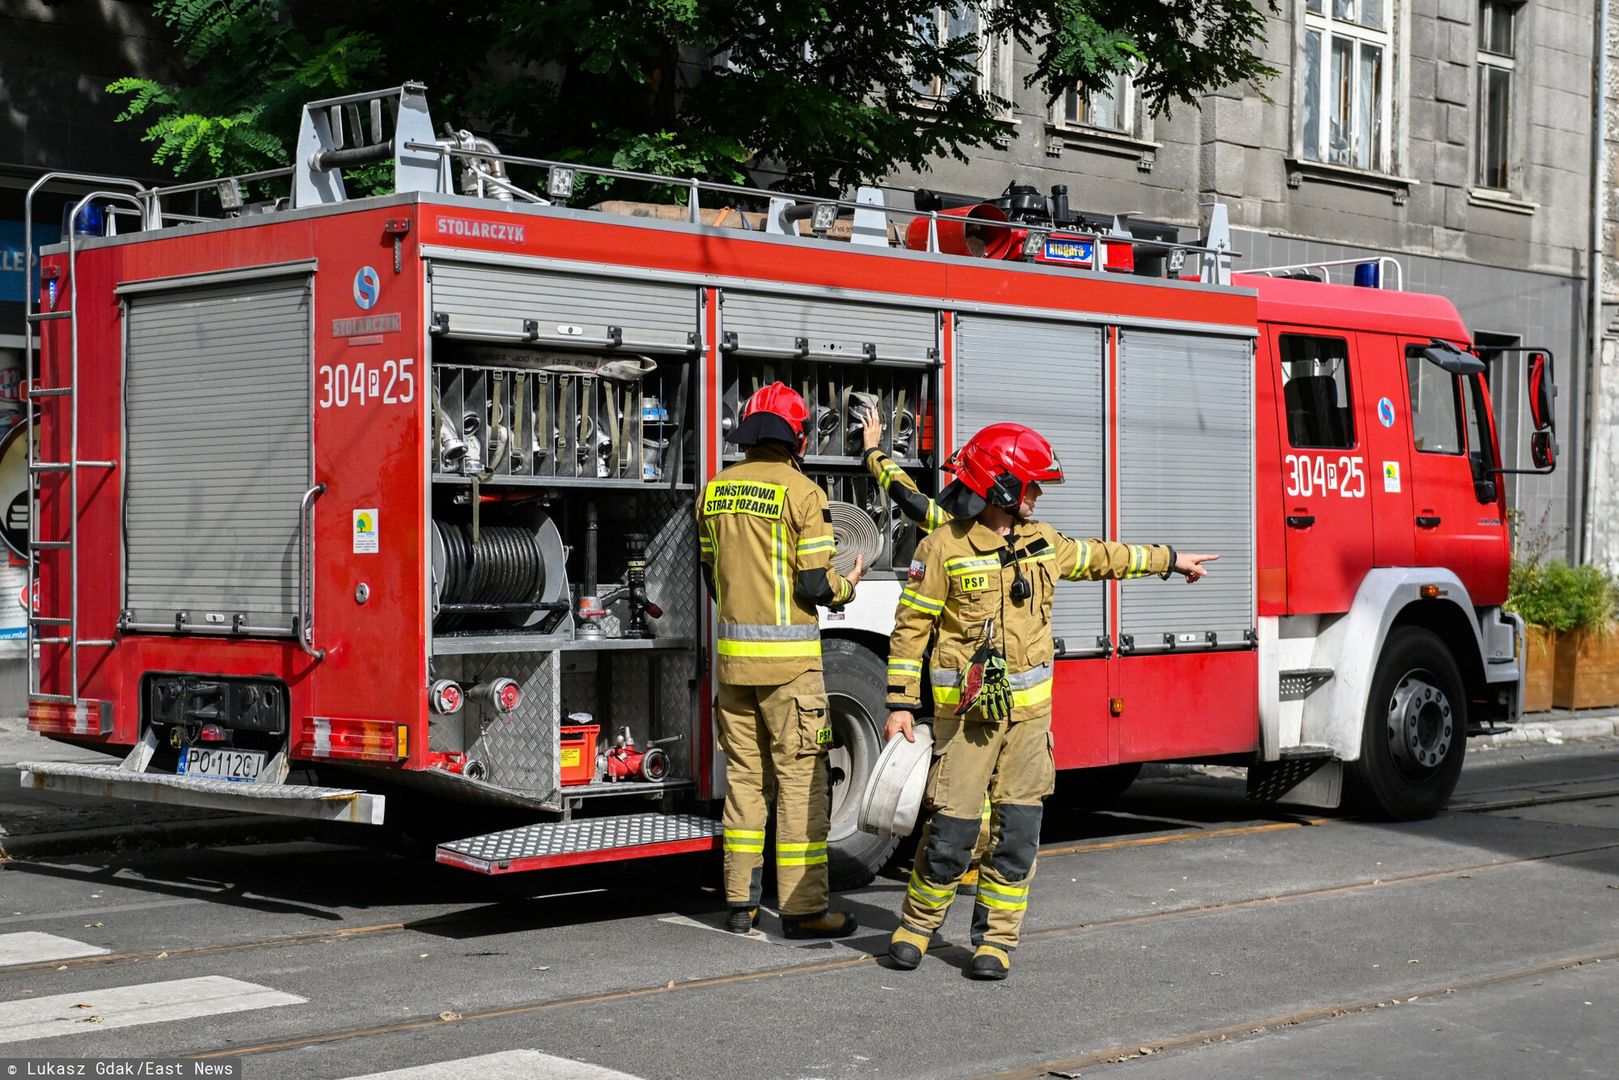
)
(760, 523)
(962, 578)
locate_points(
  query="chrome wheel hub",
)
(1421, 725)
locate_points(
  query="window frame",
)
(1386, 159)
(1490, 63)
(1458, 406)
(1347, 405)
(1128, 106)
(995, 60)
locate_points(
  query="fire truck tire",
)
(855, 681)
(1415, 734)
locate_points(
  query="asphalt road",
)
(1185, 933)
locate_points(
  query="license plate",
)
(211, 764)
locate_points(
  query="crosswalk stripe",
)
(508, 1065)
(130, 1006)
(32, 947)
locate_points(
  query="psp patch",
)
(918, 571)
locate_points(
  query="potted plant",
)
(1535, 599)
(1586, 672)
(1526, 595)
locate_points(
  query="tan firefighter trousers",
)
(776, 736)
(1012, 763)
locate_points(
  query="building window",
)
(1348, 68)
(1496, 30)
(1112, 109)
(994, 74)
(1315, 389)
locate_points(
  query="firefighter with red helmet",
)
(980, 588)
(765, 537)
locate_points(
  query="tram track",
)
(1048, 851)
(586, 1001)
(1188, 1040)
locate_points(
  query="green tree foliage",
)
(249, 71)
(828, 93)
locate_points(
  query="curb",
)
(1552, 732)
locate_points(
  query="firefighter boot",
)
(828, 924)
(990, 962)
(907, 947)
(742, 919)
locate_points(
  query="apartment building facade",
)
(1454, 135)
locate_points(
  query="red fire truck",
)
(342, 500)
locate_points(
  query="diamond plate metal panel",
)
(520, 751)
(283, 800)
(671, 569)
(112, 773)
(562, 838)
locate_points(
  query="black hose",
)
(506, 566)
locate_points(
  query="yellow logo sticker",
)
(744, 497)
(974, 582)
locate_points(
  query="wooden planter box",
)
(1539, 662)
(1587, 670)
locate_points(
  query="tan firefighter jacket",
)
(962, 578)
(927, 514)
(765, 538)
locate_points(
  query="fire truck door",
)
(1453, 527)
(1385, 425)
(1324, 481)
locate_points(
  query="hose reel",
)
(515, 575)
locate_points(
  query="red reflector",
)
(1119, 257)
(334, 739)
(91, 718)
(211, 733)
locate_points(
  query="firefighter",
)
(765, 536)
(927, 515)
(980, 587)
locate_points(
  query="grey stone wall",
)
(1515, 267)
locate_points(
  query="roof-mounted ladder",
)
(62, 630)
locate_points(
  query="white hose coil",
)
(856, 534)
(893, 796)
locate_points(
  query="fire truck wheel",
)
(1416, 730)
(855, 680)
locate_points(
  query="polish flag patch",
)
(918, 571)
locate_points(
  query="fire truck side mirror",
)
(1452, 359)
(1543, 450)
(1542, 395)
(1541, 390)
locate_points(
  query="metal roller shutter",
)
(766, 324)
(564, 310)
(217, 456)
(1047, 375)
(1186, 478)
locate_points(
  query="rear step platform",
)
(285, 800)
(584, 840)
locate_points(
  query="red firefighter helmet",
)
(774, 413)
(999, 463)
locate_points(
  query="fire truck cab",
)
(342, 500)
